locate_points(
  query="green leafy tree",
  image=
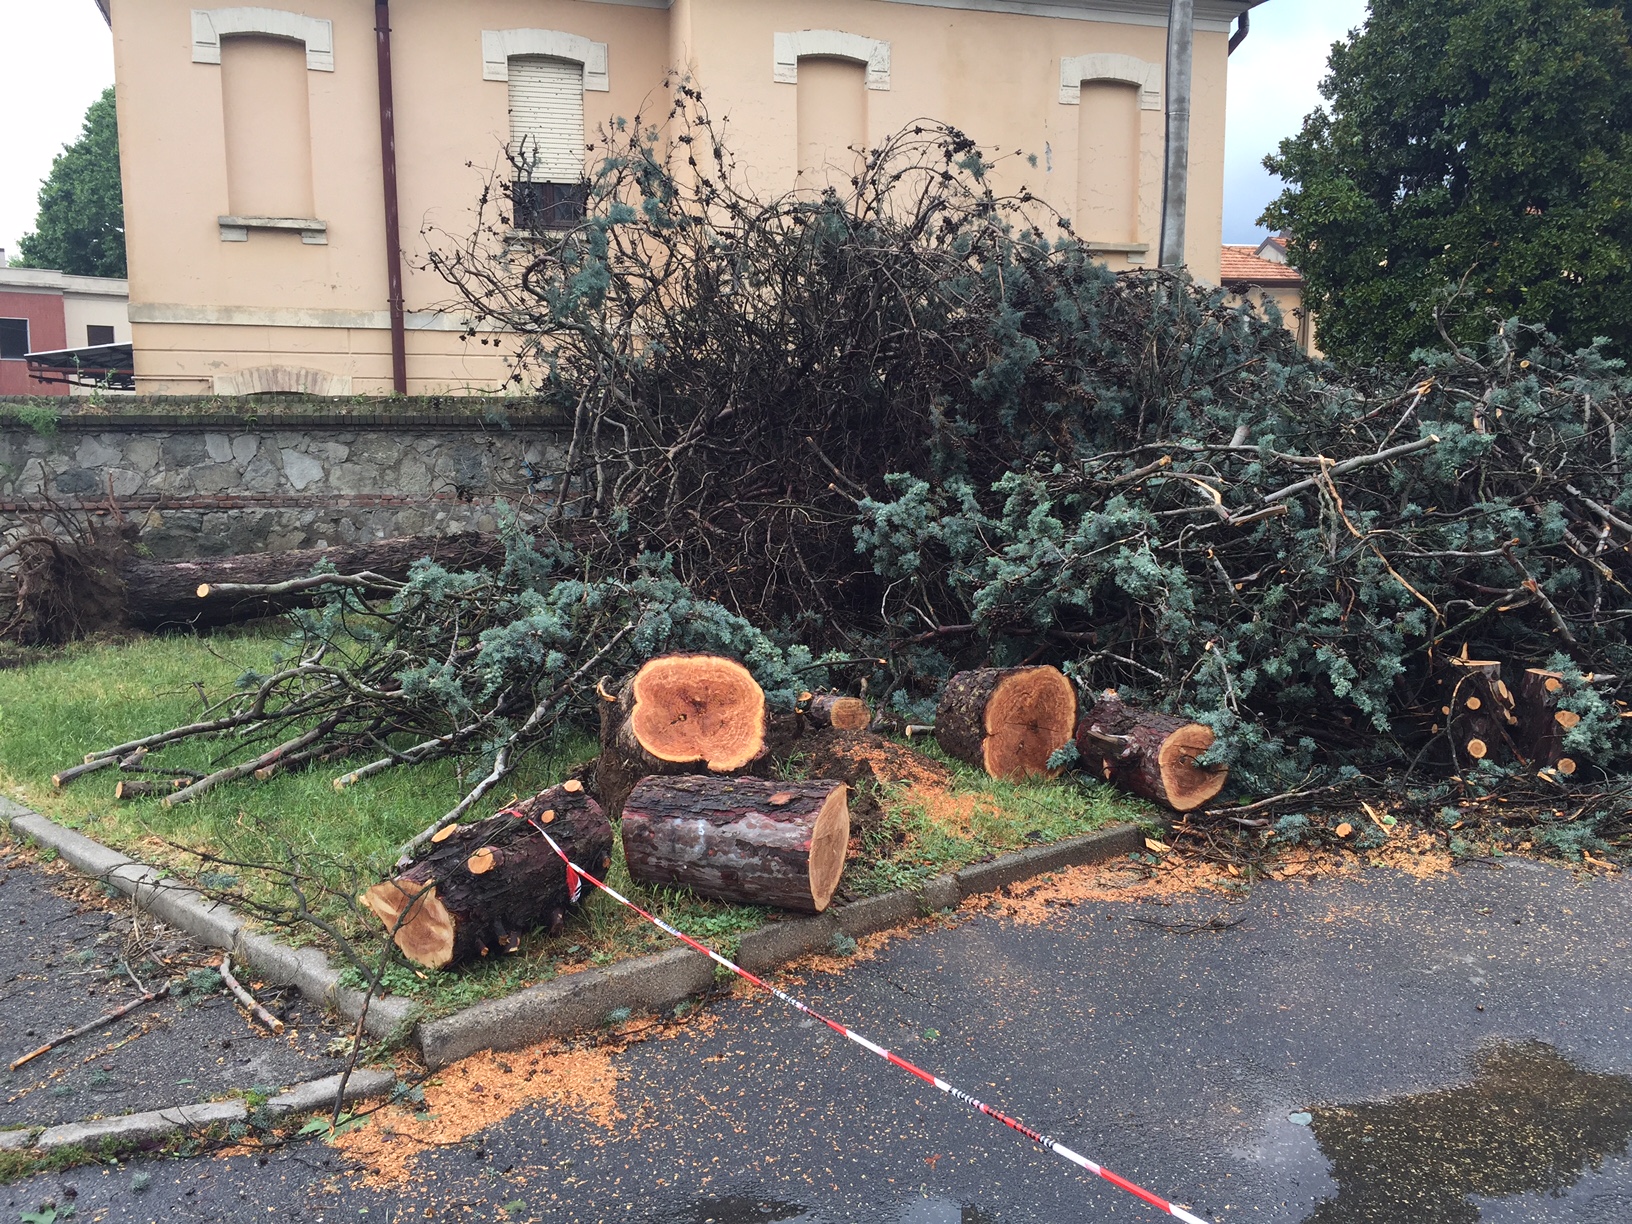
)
(81, 226)
(1478, 142)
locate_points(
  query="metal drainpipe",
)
(1181, 26)
(388, 162)
(1242, 29)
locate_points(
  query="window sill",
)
(1136, 252)
(312, 231)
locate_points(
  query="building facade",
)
(42, 311)
(254, 179)
(1259, 273)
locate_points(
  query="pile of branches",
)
(1297, 573)
(487, 663)
(912, 418)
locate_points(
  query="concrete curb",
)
(390, 1018)
(584, 1000)
(568, 1004)
(157, 1124)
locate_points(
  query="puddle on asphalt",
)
(1531, 1121)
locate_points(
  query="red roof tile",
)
(1242, 266)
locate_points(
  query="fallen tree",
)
(70, 585)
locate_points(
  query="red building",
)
(52, 313)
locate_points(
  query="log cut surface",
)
(746, 840)
(1007, 721)
(840, 713)
(679, 714)
(1150, 754)
(480, 887)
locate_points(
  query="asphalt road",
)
(69, 954)
(1367, 1050)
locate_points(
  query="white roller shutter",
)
(547, 118)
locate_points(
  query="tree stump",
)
(840, 713)
(740, 839)
(1007, 721)
(1478, 712)
(679, 714)
(1150, 754)
(1542, 725)
(480, 887)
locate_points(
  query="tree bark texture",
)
(1478, 711)
(1542, 725)
(679, 714)
(1007, 721)
(740, 839)
(482, 886)
(167, 592)
(1150, 754)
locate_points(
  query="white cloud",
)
(1274, 82)
(57, 59)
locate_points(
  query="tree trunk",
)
(1478, 709)
(480, 887)
(1007, 721)
(1542, 725)
(176, 592)
(679, 714)
(1150, 754)
(840, 713)
(740, 839)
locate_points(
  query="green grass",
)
(57, 707)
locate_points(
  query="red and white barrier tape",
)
(957, 1094)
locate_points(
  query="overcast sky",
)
(1274, 80)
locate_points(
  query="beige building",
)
(1255, 273)
(255, 185)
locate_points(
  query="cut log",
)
(484, 885)
(840, 713)
(746, 840)
(679, 714)
(1542, 725)
(1478, 707)
(1150, 754)
(1007, 721)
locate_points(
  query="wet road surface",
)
(1373, 1049)
(69, 953)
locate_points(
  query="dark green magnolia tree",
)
(1485, 141)
(81, 225)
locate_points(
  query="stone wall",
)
(210, 483)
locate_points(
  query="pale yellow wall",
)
(1289, 301)
(994, 75)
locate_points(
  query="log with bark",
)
(1007, 721)
(480, 887)
(1542, 725)
(836, 711)
(1478, 710)
(70, 588)
(200, 592)
(683, 713)
(745, 840)
(1150, 754)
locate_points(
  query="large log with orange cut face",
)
(1150, 754)
(1007, 721)
(682, 713)
(478, 888)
